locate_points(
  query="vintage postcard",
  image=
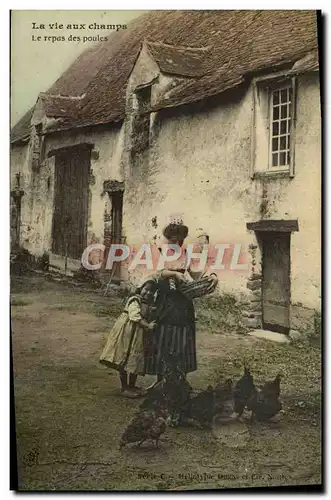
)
(165, 194)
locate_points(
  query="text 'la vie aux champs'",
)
(78, 26)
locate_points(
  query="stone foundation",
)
(252, 307)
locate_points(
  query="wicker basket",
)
(194, 289)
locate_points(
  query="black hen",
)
(244, 391)
(175, 387)
(154, 397)
(272, 388)
(265, 403)
(201, 407)
(263, 407)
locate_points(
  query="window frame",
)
(281, 85)
(262, 89)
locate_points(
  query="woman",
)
(175, 319)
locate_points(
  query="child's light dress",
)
(125, 345)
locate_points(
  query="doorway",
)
(70, 216)
(276, 280)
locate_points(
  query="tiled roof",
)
(213, 50)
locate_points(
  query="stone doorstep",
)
(57, 262)
(268, 335)
(58, 271)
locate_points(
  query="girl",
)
(124, 350)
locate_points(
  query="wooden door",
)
(70, 215)
(276, 291)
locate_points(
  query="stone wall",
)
(252, 304)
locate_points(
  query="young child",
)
(124, 350)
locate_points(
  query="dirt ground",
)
(69, 414)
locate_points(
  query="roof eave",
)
(193, 100)
(20, 140)
(113, 123)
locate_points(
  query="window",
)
(141, 121)
(273, 125)
(144, 99)
(36, 143)
(280, 126)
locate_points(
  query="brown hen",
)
(146, 425)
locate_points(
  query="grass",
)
(218, 313)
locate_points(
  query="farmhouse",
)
(213, 115)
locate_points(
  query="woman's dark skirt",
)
(170, 339)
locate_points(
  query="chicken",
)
(174, 387)
(272, 388)
(152, 397)
(178, 391)
(179, 397)
(173, 370)
(265, 403)
(264, 407)
(200, 408)
(146, 425)
(244, 391)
